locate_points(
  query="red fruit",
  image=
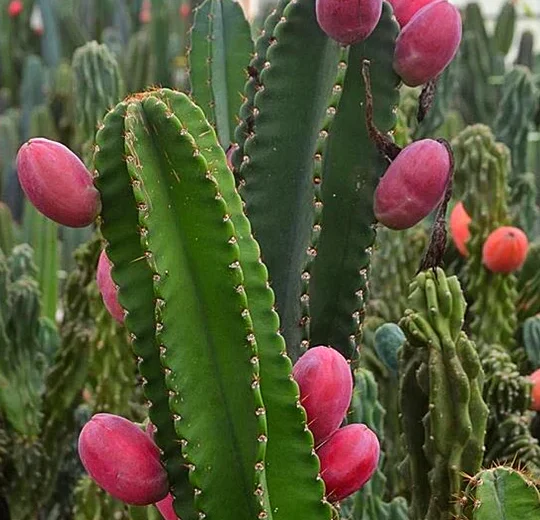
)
(459, 228)
(57, 183)
(165, 507)
(122, 460)
(404, 10)
(145, 15)
(107, 287)
(348, 21)
(505, 250)
(15, 8)
(185, 10)
(413, 185)
(325, 382)
(348, 460)
(428, 43)
(535, 378)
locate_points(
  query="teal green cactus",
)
(531, 340)
(98, 86)
(219, 54)
(369, 503)
(501, 492)
(388, 339)
(441, 379)
(517, 109)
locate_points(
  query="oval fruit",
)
(505, 250)
(459, 227)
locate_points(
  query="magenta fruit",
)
(325, 382)
(348, 460)
(57, 183)
(122, 460)
(428, 43)
(348, 21)
(413, 185)
(107, 288)
(404, 10)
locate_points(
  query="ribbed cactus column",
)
(201, 318)
(443, 414)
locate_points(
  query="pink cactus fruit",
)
(123, 460)
(535, 393)
(326, 383)
(15, 8)
(348, 21)
(107, 287)
(428, 43)
(348, 460)
(413, 185)
(165, 507)
(404, 10)
(145, 15)
(57, 183)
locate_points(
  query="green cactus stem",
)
(441, 379)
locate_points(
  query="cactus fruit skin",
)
(57, 183)
(107, 287)
(348, 21)
(428, 43)
(326, 383)
(413, 185)
(348, 460)
(404, 10)
(535, 394)
(123, 460)
(505, 250)
(459, 227)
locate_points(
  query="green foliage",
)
(441, 380)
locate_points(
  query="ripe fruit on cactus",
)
(57, 183)
(413, 185)
(428, 43)
(107, 287)
(348, 21)
(459, 227)
(535, 394)
(326, 383)
(348, 460)
(404, 10)
(122, 460)
(505, 250)
(15, 8)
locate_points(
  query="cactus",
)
(369, 503)
(501, 492)
(511, 126)
(98, 86)
(531, 340)
(441, 379)
(482, 167)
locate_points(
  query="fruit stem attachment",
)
(425, 101)
(433, 257)
(384, 144)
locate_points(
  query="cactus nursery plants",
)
(265, 318)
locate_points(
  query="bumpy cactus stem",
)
(443, 414)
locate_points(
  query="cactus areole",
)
(123, 460)
(428, 43)
(413, 185)
(348, 21)
(57, 183)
